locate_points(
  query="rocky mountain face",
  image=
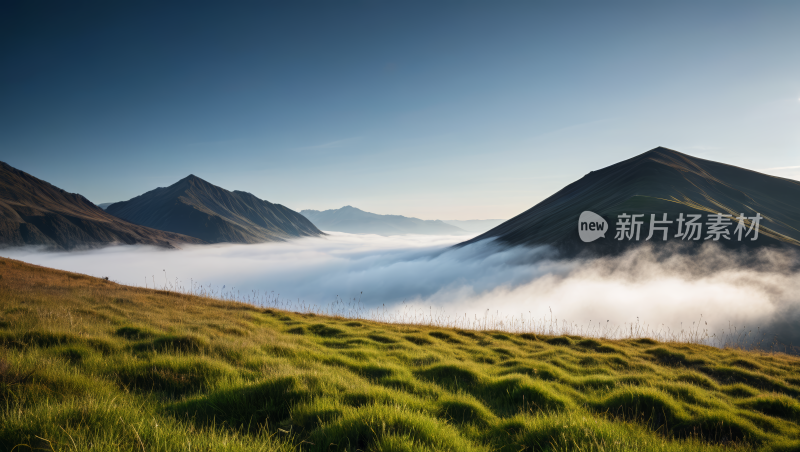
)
(34, 212)
(628, 195)
(199, 209)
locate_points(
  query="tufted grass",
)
(89, 365)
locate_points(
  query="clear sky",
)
(438, 110)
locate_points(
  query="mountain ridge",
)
(35, 212)
(195, 207)
(658, 181)
(356, 221)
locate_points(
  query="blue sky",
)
(448, 110)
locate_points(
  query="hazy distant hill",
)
(34, 212)
(474, 226)
(656, 182)
(197, 208)
(104, 205)
(356, 221)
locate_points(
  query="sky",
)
(436, 110)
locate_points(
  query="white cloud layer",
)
(408, 276)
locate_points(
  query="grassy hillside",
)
(89, 365)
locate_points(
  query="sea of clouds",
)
(712, 293)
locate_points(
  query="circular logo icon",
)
(591, 226)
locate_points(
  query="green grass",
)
(89, 365)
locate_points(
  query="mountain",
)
(104, 205)
(657, 182)
(34, 212)
(356, 221)
(474, 226)
(197, 208)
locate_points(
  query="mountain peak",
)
(662, 151)
(192, 181)
(659, 182)
(38, 213)
(198, 208)
(192, 178)
(662, 148)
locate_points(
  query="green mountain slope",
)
(657, 182)
(197, 208)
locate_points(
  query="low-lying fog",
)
(408, 276)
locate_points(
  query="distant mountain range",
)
(355, 221)
(199, 209)
(660, 181)
(34, 212)
(104, 205)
